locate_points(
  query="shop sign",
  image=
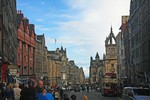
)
(13, 71)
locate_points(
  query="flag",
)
(55, 41)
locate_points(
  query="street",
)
(92, 95)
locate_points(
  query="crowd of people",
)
(33, 91)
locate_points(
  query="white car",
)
(136, 93)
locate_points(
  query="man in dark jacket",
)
(40, 87)
(2, 96)
(28, 92)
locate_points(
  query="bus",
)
(109, 84)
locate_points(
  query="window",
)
(112, 65)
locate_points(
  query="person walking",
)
(17, 91)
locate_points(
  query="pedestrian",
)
(57, 96)
(41, 93)
(73, 97)
(2, 90)
(9, 92)
(17, 91)
(87, 88)
(31, 91)
(61, 93)
(40, 87)
(24, 92)
(85, 97)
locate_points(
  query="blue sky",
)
(80, 26)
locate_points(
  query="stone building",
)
(82, 76)
(41, 66)
(56, 66)
(96, 70)
(75, 75)
(61, 71)
(26, 46)
(137, 42)
(119, 56)
(122, 69)
(110, 59)
(8, 40)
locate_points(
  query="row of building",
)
(24, 55)
(129, 56)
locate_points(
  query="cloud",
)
(42, 28)
(39, 20)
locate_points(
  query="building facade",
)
(82, 76)
(96, 70)
(137, 40)
(26, 46)
(41, 66)
(120, 38)
(8, 40)
(61, 71)
(75, 74)
(56, 66)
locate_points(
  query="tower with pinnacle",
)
(110, 60)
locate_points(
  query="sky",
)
(80, 26)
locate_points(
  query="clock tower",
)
(111, 54)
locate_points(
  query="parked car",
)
(136, 93)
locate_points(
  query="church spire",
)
(111, 32)
(97, 56)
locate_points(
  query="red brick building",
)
(26, 46)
